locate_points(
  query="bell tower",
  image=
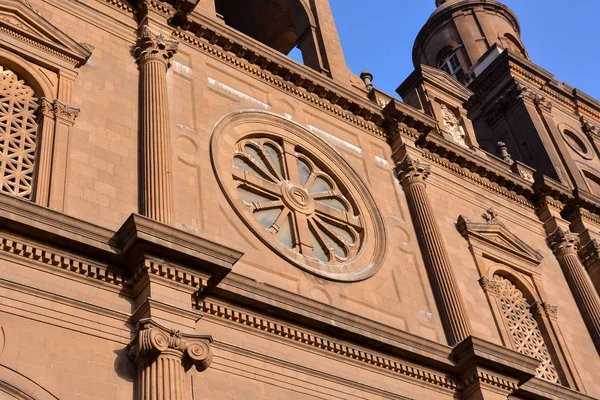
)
(460, 32)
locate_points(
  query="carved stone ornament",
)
(452, 125)
(152, 46)
(490, 286)
(563, 241)
(543, 308)
(411, 170)
(153, 341)
(59, 110)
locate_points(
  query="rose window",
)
(298, 203)
(299, 196)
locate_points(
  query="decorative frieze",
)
(320, 342)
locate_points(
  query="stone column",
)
(154, 53)
(412, 174)
(590, 253)
(161, 357)
(565, 245)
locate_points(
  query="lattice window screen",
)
(18, 134)
(523, 328)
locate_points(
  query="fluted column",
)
(160, 357)
(412, 174)
(154, 53)
(565, 245)
(590, 253)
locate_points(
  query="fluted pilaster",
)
(154, 54)
(590, 254)
(160, 357)
(565, 245)
(412, 174)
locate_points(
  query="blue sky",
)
(378, 35)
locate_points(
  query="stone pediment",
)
(21, 23)
(444, 81)
(495, 238)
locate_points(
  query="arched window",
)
(451, 64)
(18, 134)
(523, 329)
(512, 43)
(283, 25)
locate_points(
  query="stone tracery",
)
(18, 134)
(296, 201)
(523, 328)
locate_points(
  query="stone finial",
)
(411, 170)
(502, 152)
(367, 78)
(562, 241)
(152, 46)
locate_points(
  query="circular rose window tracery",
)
(298, 195)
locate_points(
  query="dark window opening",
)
(451, 64)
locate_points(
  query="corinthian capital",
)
(563, 241)
(490, 286)
(411, 170)
(152, 46)
(543, 308)
(58, 109)
(152, 341)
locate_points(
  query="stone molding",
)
(355, 353)
(44, 36)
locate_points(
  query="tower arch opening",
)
(286, 26)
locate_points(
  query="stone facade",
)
(188, 213)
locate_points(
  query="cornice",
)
(539, 389)
(224, 43)
(271, 326)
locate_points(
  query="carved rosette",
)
(412, 170)
(155, 47)
(161, 355)
(563, 242)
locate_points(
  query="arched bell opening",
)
(284, 25)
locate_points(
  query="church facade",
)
(189, 213)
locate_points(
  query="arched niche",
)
(14, 385)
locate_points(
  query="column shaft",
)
(585, 297)
(162, 379)
(156, 201)
(450, 304)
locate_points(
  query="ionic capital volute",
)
(563, 242)
(152, 341)
(412, 170)
(155, 47)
